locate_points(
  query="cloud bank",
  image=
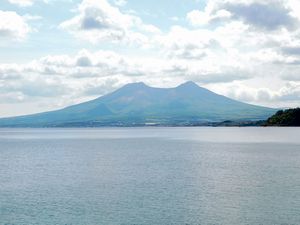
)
(245, 49)
(13, 26)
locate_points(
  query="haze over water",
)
(150, 176)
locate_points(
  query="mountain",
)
(139, 104)
(289, 117)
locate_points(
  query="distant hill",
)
(137, 104)
(289, 117)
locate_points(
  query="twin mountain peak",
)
(139, 104)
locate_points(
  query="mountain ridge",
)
(138, 103)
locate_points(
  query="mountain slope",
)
(138, 103)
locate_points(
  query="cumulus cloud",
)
(9, 72)
(295, 50)
(120, 2)
(97, 20)
(291, 74)
(290, 92)
(265, 15)
(188, 44)
(59, 75)
(96, 73)
(13, 26)
(101, 87)
(86, 75)
(198, 18)
(224, 76)
(287, 95)
(39, 87)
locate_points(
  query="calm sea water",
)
(150, 176)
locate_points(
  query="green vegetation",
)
(289, 117)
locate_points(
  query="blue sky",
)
(49, 39)
(54, 53)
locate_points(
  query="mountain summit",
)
(188, 84)
(139, 104)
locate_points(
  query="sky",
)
(55, 53)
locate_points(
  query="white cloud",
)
(97, 20)
(120, 2)
(198, 18)
(286, 96)
(84, 68)
(55, 75)
(29, 17)
(86, 75)
(264, 15)
(13, 26)
(188, 44)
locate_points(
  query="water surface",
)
(149, 176)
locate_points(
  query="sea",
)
(150, 176)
